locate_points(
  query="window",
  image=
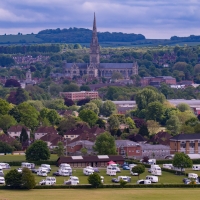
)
(137, 151)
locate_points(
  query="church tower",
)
(28, 75)
(94, 47)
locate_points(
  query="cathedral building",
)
(97, 69)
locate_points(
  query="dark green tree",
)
(4, 107)
(23, 135)
(139, 169)
(13, 179)
(105, 144)
(95, 180)
(88, 116)
(144, 131)
(5, 148)
(21, 96)
(38, 151)
(108, 108)
(27, 179)
(181, 161)
(85, 88)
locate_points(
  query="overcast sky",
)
(152, 18)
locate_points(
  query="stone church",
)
(97, 69)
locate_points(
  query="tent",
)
(110, 162)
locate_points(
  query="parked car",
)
(126, 167)
(145, 182)
(56, 173)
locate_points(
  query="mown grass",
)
(102, 194)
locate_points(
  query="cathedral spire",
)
(94, 24)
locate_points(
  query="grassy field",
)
(105, 194)
(165, 178)
(20, 158)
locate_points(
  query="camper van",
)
(69, 169)
(152, 161)
(52, 179)
(73, 180)
(111, 171)
(63, 172)
(168, 166)
(42, 173)
(156, 171)
(64, 165)
(152, 167)
(28, 165)
(87, 171)
(192, 175)
(4, 165)
(153, 179)
(196, 167)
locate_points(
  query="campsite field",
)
(102, 194)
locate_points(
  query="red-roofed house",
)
(44, 130)
(15, 131)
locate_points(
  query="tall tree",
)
(173, 124)
(23, 135)
(146, 96)
(108, 108)
(6, 121)
(4, 107)
(105, 144)
(181, 161)
(113, 122)
(21, 95)
(88, 116)
(38, 151)
(91, 106)
(60, 150)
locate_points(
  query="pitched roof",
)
(46, 129)
(125, 143)
(195, 136)
(50, 137)
(6, 138)
(17, 128)
(99, 158)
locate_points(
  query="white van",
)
(196, 167)
(111, 171)
(5, 165)
(168, 166)
(2, 180)
(153, 179)
(46, 166)
(192, 175)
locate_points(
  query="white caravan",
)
(168, 166)
(124, 178)
(2, 180)
(111, 171)
(156, 171)
(153, 179)
(63, 172)
(52, 179)
(43, 169)
(115, 166)
(87, 171)
(46, 182)
(28, 165)
(192, 175)
(152, 167)
(145, 182)
(196, 167)
(132, 165)
(42, 173)
(46, 166)
(5, 165)
(69, 169)
(64, 165)
(152, 161)
(73, 180)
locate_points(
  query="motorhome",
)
(196, 167)
(111, 171)
(168, 166)
(115, 166)
(2, 180)
(52, 179)
(46, 166)
(152, 167)
(192, 175)
(44, 169)
(69, 169)
(28, 165)
(156, 171)
(87, 171)
(153, 179)
(5, 165)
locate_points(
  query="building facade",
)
(95, 68)
(15, 131)
(186, 143)
(75, 96)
